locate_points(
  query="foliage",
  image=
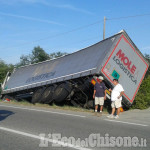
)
(142, 99)
(147, 56)
(38, 55)
(24, 60)
(56, 55)
(4, 68)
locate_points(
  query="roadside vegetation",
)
(53, 106)
(142, 99)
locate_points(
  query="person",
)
(116, 98)
(99, 94)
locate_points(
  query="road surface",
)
(21, 128)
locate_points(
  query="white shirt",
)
(116, 92)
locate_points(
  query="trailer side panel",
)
(81, 63)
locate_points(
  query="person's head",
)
(100, 79)
(115, 81)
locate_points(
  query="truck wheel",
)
(37, 95)
(61, 92)
(47, 95)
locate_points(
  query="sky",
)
(68, 25)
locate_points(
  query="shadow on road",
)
(4, 114)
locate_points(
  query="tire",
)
(47, 96)
(36, 97)
(61, 92)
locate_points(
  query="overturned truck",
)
(70, 78)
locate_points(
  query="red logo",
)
(128, 63)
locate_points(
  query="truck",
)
(70, 78)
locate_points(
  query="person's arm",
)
(121, 93)
(94, 94)
(104, 87)
(105, 95)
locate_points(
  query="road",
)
(21, 127)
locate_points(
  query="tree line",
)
(38, 55)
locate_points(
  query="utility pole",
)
(104, 28)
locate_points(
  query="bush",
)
(142, 99)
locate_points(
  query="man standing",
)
(99, 93)
(116, 98)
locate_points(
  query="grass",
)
(65, 107)
(53, 106)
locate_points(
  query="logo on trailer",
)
(126, 65)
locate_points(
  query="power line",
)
(60, 34)
(76, 29)
(77, 42)
(126, 17)
(47, 49)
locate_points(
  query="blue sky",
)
(25, 24)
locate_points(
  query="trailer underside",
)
(76, 92)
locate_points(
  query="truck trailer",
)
(70, 78)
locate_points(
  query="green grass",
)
(53, 106)
(64, 107)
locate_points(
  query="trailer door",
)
(126, 65)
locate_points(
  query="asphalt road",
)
(21, 127)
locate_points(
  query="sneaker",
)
(110, 116)
(116, 117)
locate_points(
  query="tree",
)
(4, 68)
(56, 55)
(38, 55)
(142, 99)
(147, 56)
(25, 60)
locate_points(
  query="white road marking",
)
(137, 124)
(39, 110)
(47, 139)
